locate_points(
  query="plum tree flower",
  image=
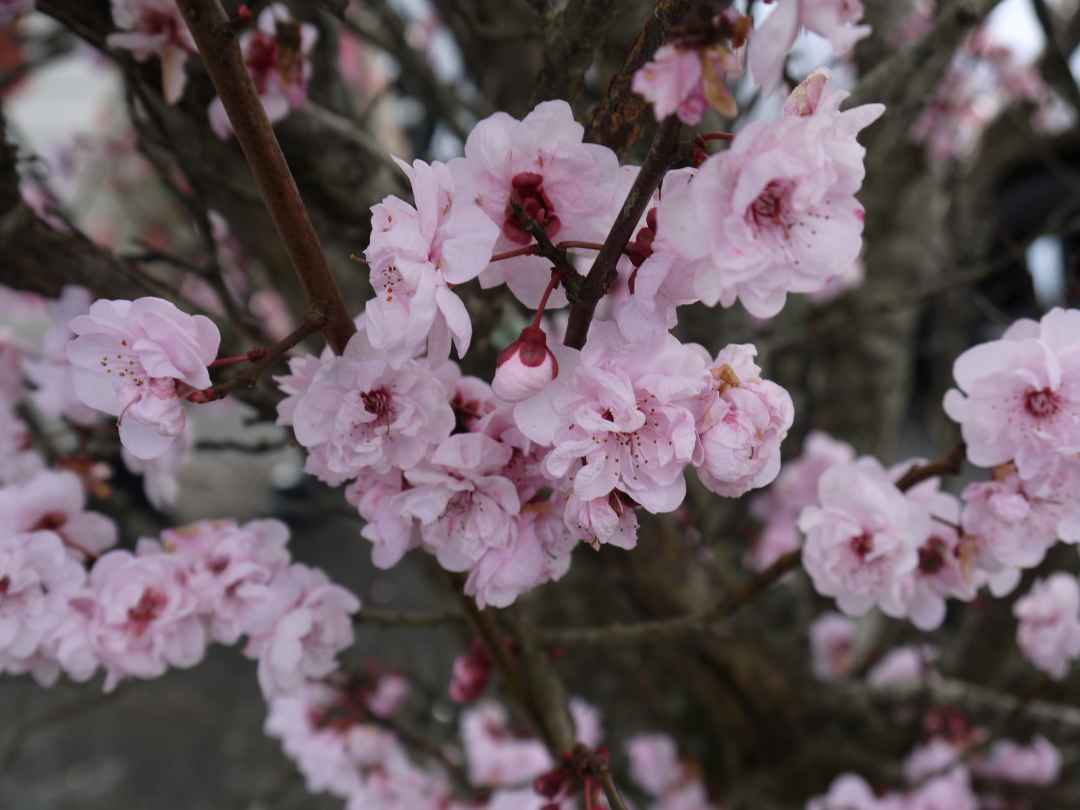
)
(55, 502)
(622, 418)
(672, 83)
(1008, 526)
(745, 420)
(794, 489)
(775, 213)
(300, 626)
(494, 755)
(1048, 630)
(363, 412)
(37, 576)
(129, 357)
(863, 538)
(50, 371)
(833, 19)
(464, 505)
(1018, 398)
(832, 643)
(417, 254)
(1038, 763)
(940, 573)
(142, 618)
(525, 366)
(277, 53)
(229, 567)
(847, 792)
(155, 28)
(540, 165)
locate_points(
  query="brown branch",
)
(949, 464)
(213, 32)
(680, 626)
(1056, 61)
(573, 34)
(617, 121)
(408, 618)
(603, 270)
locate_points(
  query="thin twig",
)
(680, 626)
(214, 34)
(408, 618)
(949, 464)
(603, 270)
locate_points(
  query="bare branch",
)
(213, 32)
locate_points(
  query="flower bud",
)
(524, 367)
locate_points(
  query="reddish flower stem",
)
(552, 285)
(252, 356)
(534, 249)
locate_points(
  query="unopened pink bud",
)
(524, 367)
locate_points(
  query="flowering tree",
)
(676, 359)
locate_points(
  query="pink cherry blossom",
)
(229, 567)
(129, 357)
(863, 538)
(940, 573)
(540, 164)
(155, 28)
(390, 534)
(654, 762)
(364, 413)
(304, 621)
(775, 213)
(794, 489)
(464, 505)
(832, 646)
(471, 673)
(847, 792)
(524, 367)
(417, 254)
(21, 461)
(1007, 526)
(277, 53)
(530, 556)
(160, 483)
(143, 617)
(316, 733)
(1038, 763)
(1019, 397)
(937, 756)
(1048, 630)
(55, 502)
(50, 371)
(949, 791)
(652, 282)
(302, 371)
(671, 82)
(621, 417)
(37, 576)
(833, 19)
(610, 519)
(494, 755)
(902, 665)
(745, 420)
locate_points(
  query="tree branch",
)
(949, 464)
(603, 270)
(1055, 58)
(213, 32)
(680, 626)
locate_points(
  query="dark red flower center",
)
(932, 556)
(862, 545)
(1042, 403)
(150, 607)
(527, 193)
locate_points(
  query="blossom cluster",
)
(942, 773)
(276, 50)
(72, 604)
